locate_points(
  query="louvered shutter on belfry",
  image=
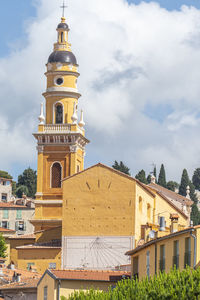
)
(56, 175)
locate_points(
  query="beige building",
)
(16, 217)
(56, 283)
(6, 190)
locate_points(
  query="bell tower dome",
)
(60, 138)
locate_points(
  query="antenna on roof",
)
(63, 8)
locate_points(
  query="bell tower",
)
(60, 138)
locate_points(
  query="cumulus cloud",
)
(140, 73)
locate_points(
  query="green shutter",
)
(19, 214)
(5, 214)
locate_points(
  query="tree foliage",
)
(28, 179)
(141, 176)
(172, 185)
(5, 174)
(3, 246)
(121, 167)
(21, 189)
(162, 177)
(175, 285)
(196, 179)
(185, 181)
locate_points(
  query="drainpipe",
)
(155, 258)
(58, 290)
(195, 247)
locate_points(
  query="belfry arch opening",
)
(56, 175)
(59, 114)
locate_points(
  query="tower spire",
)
(63, 9)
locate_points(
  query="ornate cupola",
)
(61, 136)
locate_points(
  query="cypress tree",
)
(162, 177)
(184, 183)
(149, 178)
(121, 167)
(141, 176)
(196, 179)
(155, 173)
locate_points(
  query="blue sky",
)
(15, 13)
(147, 80)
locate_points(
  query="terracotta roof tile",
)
(26, 283)
(6, 230)
(98, 275)
(25, 275)
(10, 205)
(171, 194)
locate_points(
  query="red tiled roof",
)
(168, 193)
(25, 275)
(26, 283)
(6, 230)
(25, 236)
(11, 205)
(94, 275)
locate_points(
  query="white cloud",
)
(131, 57)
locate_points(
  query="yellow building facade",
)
(60, 138)
(178, 249)
(107, 213)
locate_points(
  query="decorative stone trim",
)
(40, 148)
(73, 149)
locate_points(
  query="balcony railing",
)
(176, 261)
(187, 259)
(59, 128)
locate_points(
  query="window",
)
(59, 114)
(187, 257)
(19, 214)
(52, 265)
(5, 224)
(162, 258)
(5, 214)
(56, 175)
(20, 226)
(45, 293)
(135, 265)
(7, 182)
(78, 169)
(4, 182)
(4, 197)
(61, 37)
(29, 265)
(176, 255)
(148, 264)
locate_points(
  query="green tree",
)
(14, 187)
(141, 176)
(196, 179)
(195, 214)
(162, 177)
(3, 246)
(172, 185)
(121, 167)
(149, 178)
(22, 189)
(155, 172)
(28, 179)
(5, 174)
(185, 181)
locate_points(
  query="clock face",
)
(59, 81)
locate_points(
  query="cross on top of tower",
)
(63, 8)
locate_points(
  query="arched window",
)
(61, 37)
(59, 114)
(56, 175)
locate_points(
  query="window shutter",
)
(8, 225)
(16, 225)
(24, 226)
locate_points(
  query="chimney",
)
(162, 224)
(174, 222)
(153, 179)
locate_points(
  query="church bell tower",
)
(61, 137)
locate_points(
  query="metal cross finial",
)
(63, 8)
